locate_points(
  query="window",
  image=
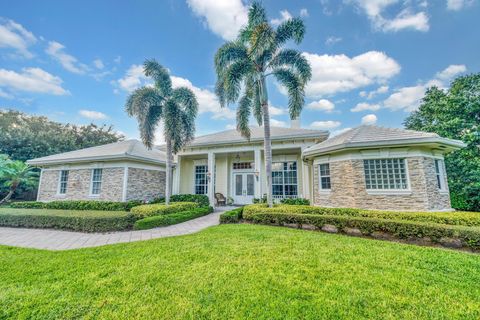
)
(201, 179)
(439, 174)
(284, 180)
(63, 183)
(324, 174)
(242, 165)
(385, 174)
(96, 181)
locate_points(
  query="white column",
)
(258, 173)
(176, 184)
(211, 180)
(305, 178)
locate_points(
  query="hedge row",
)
(201, 199)
(469, 236)
(75, 222)
(231, 216)
(78, 205)
(450, 218)
(149, 210)
(172, 218)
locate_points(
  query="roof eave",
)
(40, 162)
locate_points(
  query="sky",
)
(372, 60)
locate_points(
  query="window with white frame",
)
(201, 182)
(63, 182)
(96, 181)
(385, 174)
(324, 176)
(439, 172)
(284, 179)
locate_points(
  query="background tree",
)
(242, 67)
(177, 108)
(455, 113)
(16, 173)
(24, 137)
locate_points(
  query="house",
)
(367, 167)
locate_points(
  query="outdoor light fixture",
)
(237, 157)
(209, 175)
(257, 174)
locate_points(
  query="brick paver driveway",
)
(64, 240)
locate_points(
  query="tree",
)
(24, 137)
(455, 114)
(15, 173)
(242, 67)
(177, 108)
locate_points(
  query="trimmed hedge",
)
(469, 236)
(200, 199)
(172, 218)
(149, 210)
(78, 205)
(296, 202)
(85, 221)
(231, 216)
(464, 218)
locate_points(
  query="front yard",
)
(242, 271)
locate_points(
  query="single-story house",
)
(367, 167)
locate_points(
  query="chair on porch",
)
(220, 198)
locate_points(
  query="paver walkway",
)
(65, 240)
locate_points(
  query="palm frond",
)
(228, 53)
(243, 115)
(291, 29)
(185, 98)
(233, 77)
(295, 88)
(256, 14)
(293, 59)
(262, 40)
(257, 103)
(160, 75)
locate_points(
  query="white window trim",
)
(320, 189)
(283, 182)
(199, 164)
(407, 191)
(443, 180)
(91, 184)
(60, 183)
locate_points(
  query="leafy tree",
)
(177, 108)
(242, 67)
(455, 114)
(14, 174)
(24, 137)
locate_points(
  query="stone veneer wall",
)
(78, 187)
(143, 184)
(348, 188)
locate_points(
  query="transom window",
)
(96, 181)
(284, 179)
(242, 165)
(385, 174)
(324, 174)
(439, 174)
(201, 183)
(63, 183)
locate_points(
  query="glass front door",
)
(243, 188)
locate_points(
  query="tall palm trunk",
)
(168, 178)
(267, 142)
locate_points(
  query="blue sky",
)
(76, 61)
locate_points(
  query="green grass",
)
(242, 272)
(61, 213)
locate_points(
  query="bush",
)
(452, 218)
(171, 218)
(148, 210)
(296, 202)
(232, 216)
(78, 205)
(201, 199)
(28, 205)
(84, 221)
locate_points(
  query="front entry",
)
(243, 188)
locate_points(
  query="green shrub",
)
(232, 216)
(81, 220)
(171, 218)
(201, 199)
(28, 205)
(465, 218)
(78, 205)
(295, 202)
(148, 210)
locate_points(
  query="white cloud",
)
(285, 15)
(32, 80)
(133, 79)
(277, 123)
(340, 73)
(369, 119)
(374, 93)
(325, 125)
(14, 35)
(330, 41)
(98, 63)
(224, 18)
(5, 95)
(322, 105)
(451, 72)
(93, 115)
(57, 51)
(456, 5)
(275, 111)
(304, 13)
(363, 106)
(118, 59)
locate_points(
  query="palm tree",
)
(243, 65)
(177, 108)
(15, 173)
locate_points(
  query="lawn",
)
(242, 271)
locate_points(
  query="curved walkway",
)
(65, 240)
